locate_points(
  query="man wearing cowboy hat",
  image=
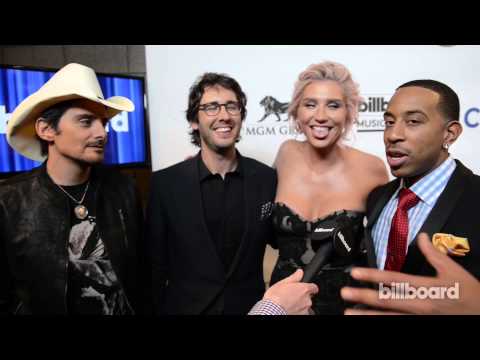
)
(69, 228)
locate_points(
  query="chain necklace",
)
(80, 210)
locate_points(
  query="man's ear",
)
(194, 125)
(44, 130)
(452, 132)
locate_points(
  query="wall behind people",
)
(110, 59)
(267, 75)
(107, 59)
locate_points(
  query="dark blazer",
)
(456, 213)
(34, 230)
(188, 276)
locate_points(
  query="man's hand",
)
(448, 273)
(292, 295)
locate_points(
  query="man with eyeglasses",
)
(208, 216)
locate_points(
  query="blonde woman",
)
(322, 182)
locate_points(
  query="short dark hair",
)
(448, 104)
(52, 117)
(197, 90)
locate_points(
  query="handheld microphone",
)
(319, 260)
(343, 244)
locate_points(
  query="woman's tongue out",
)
(320, 132)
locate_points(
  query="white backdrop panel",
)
(272, 70)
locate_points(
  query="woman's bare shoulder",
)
(371, 163)
(286, 150)
(290, 145)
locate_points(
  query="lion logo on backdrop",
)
(273, 107)
(278, 126)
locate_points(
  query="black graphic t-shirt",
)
(93, 287)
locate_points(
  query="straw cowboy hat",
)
(73, 81)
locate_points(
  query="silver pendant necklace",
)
(81, 212)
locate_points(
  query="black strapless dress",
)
(297, 245)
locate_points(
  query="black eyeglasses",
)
(212, 109)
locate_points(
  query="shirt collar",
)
(423, 186)
(204, 172)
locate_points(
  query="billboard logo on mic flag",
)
(323, 230)
(342, 239)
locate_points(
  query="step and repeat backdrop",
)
(267, 75)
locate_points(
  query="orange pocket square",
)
(450, 244)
